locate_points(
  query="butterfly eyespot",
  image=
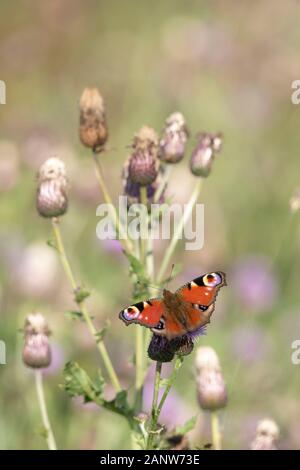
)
(130, 313)
(212, 279)
(160, 326)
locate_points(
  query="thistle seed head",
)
(36, 350)
(267, 434)
(173, 142)
(93, 131)
(204, 153)
(52, 199)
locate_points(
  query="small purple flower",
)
(254, 283)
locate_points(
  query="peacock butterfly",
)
(176, 314)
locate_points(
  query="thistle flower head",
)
(204, 153)
(52, 199)
(211, 387)
(133, 190)
(174, 138)
(36, 351)
(163, 350)
(267, 434)
(143, 162)
(93, 130)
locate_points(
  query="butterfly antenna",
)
(170, 277)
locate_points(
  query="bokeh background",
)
(227, 66)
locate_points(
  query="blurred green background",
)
(227, 66)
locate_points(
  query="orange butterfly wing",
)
(201, 294)
(147, 313)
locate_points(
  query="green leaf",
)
(186, 427)
(78, 383)
(81, 294)
(74, 315)
(51, 243)
(102, 332)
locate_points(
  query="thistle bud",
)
(52, 200)
(211, 390)
(211, 387)
(206, 358)
(267, 434)
(173, 142)
(143, 162)
(36, 350)
(204, 153)
(295, 201)
(93, 130)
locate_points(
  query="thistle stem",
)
(43, 409)
(178, 231)
(82, 306)
(215, 431)
(139, 343)
(154, 415)
(122, 234)
(171, 380)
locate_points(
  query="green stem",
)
(171, 380)
(215, 431)
(139, 342)
(122, 234)
(154, 415)
(178, 231)
(82, 306)
(43, 409)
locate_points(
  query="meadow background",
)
(227, 66)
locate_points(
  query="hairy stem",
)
(154, 415)
(82, 306)
(178, 231)
(43, 409)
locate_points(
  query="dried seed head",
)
(93, 130)
(206, 358)
(52, 200)
(35, 323)
(173, 142)
(267, 434)
(143, 162)
(204, 153)
(211, 390)
(36, 350)
(295, 201)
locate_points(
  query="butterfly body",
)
(178, 313)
